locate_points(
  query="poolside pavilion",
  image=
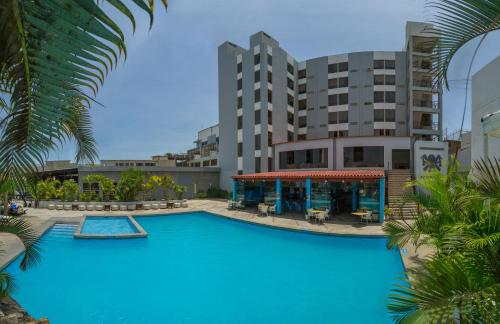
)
(298, 191)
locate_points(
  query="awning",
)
(314, 175)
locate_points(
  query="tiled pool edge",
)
(140, 231)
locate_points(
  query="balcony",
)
(425, 126)
(422, 66)
(426, 106)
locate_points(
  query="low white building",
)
(486, 111)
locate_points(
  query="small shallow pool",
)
(200, 268)
(108, 225)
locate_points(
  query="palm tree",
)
(54, 57)
(31, 255)
(460, 219)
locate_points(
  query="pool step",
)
(64, 229)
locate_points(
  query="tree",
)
(105, 185)
(153, 183)
(130, 184)
(53, 58)
(69, 190)
(460, 219)
(48, 188)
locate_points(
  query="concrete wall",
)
(305, 145)
(195, 179)
(428, 155)
(485, 100)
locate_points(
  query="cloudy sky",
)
(167, 89)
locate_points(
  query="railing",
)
(425, 104)
(320, 165)
(423, 84)
(425, 125)
(422, 65)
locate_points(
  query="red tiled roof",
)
(314, 175)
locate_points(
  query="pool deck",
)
(43, 219)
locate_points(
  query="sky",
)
(166, 90)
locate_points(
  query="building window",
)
(335, 134)
(289, 83)
(269, 164)
(390, 96)
(257, 142)
(257, 117)
(302, 88)
(332, 118)
(256, 59)
(390, 64)
(257, 164)
(384, 132)
(289, 68)
(269, 77)
(257, 95)
(343, 82)
(390, 115)
(302, 121)
(290, 136)
(269, 139)
(364, 156)
(302, 74)
(343, 99)
(378, 115)
(290, 100)
(269, 59)
(302, 104)
(240, 84)
(301, 137)
(343, 117)
(269, 117)
(332, 68)
(240, 122)
(332, 83)
(239, 67)
(240, 102)
(378, 96)
(289, 118)
(378, 64)
(332, 100)
(269, 96)
(304, 159)
(343, 67)
(257, 76)
(390, 79)
(240, 149)
(378, 79)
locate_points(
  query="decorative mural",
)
(431, 161)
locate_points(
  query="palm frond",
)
(7, 284)
(28, 236)
(487, 173)
(457, 22)
(446, 289)
(53, 53)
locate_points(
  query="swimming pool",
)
(200, 268)
(107, 225)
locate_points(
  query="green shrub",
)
(130, 185)
(216, 193)
(48, 189)
(201, 194)
(69, 190)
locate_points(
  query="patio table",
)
(360, 215)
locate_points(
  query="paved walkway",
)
(42, 219)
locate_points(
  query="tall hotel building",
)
(354, 110)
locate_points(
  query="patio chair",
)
(240, 205)
(272, 209)
(230, 204)
(320, 217)
(367, 217)
(327, 213)
(309, 214)
(262, 209)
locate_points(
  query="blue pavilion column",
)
(278, 196)
(234, 189)
(354, 196)
(308, 193)
(382, 199)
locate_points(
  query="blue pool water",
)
(199, 268)
(108, 225)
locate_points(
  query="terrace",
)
(294, 194)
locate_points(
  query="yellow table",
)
(360, 215)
